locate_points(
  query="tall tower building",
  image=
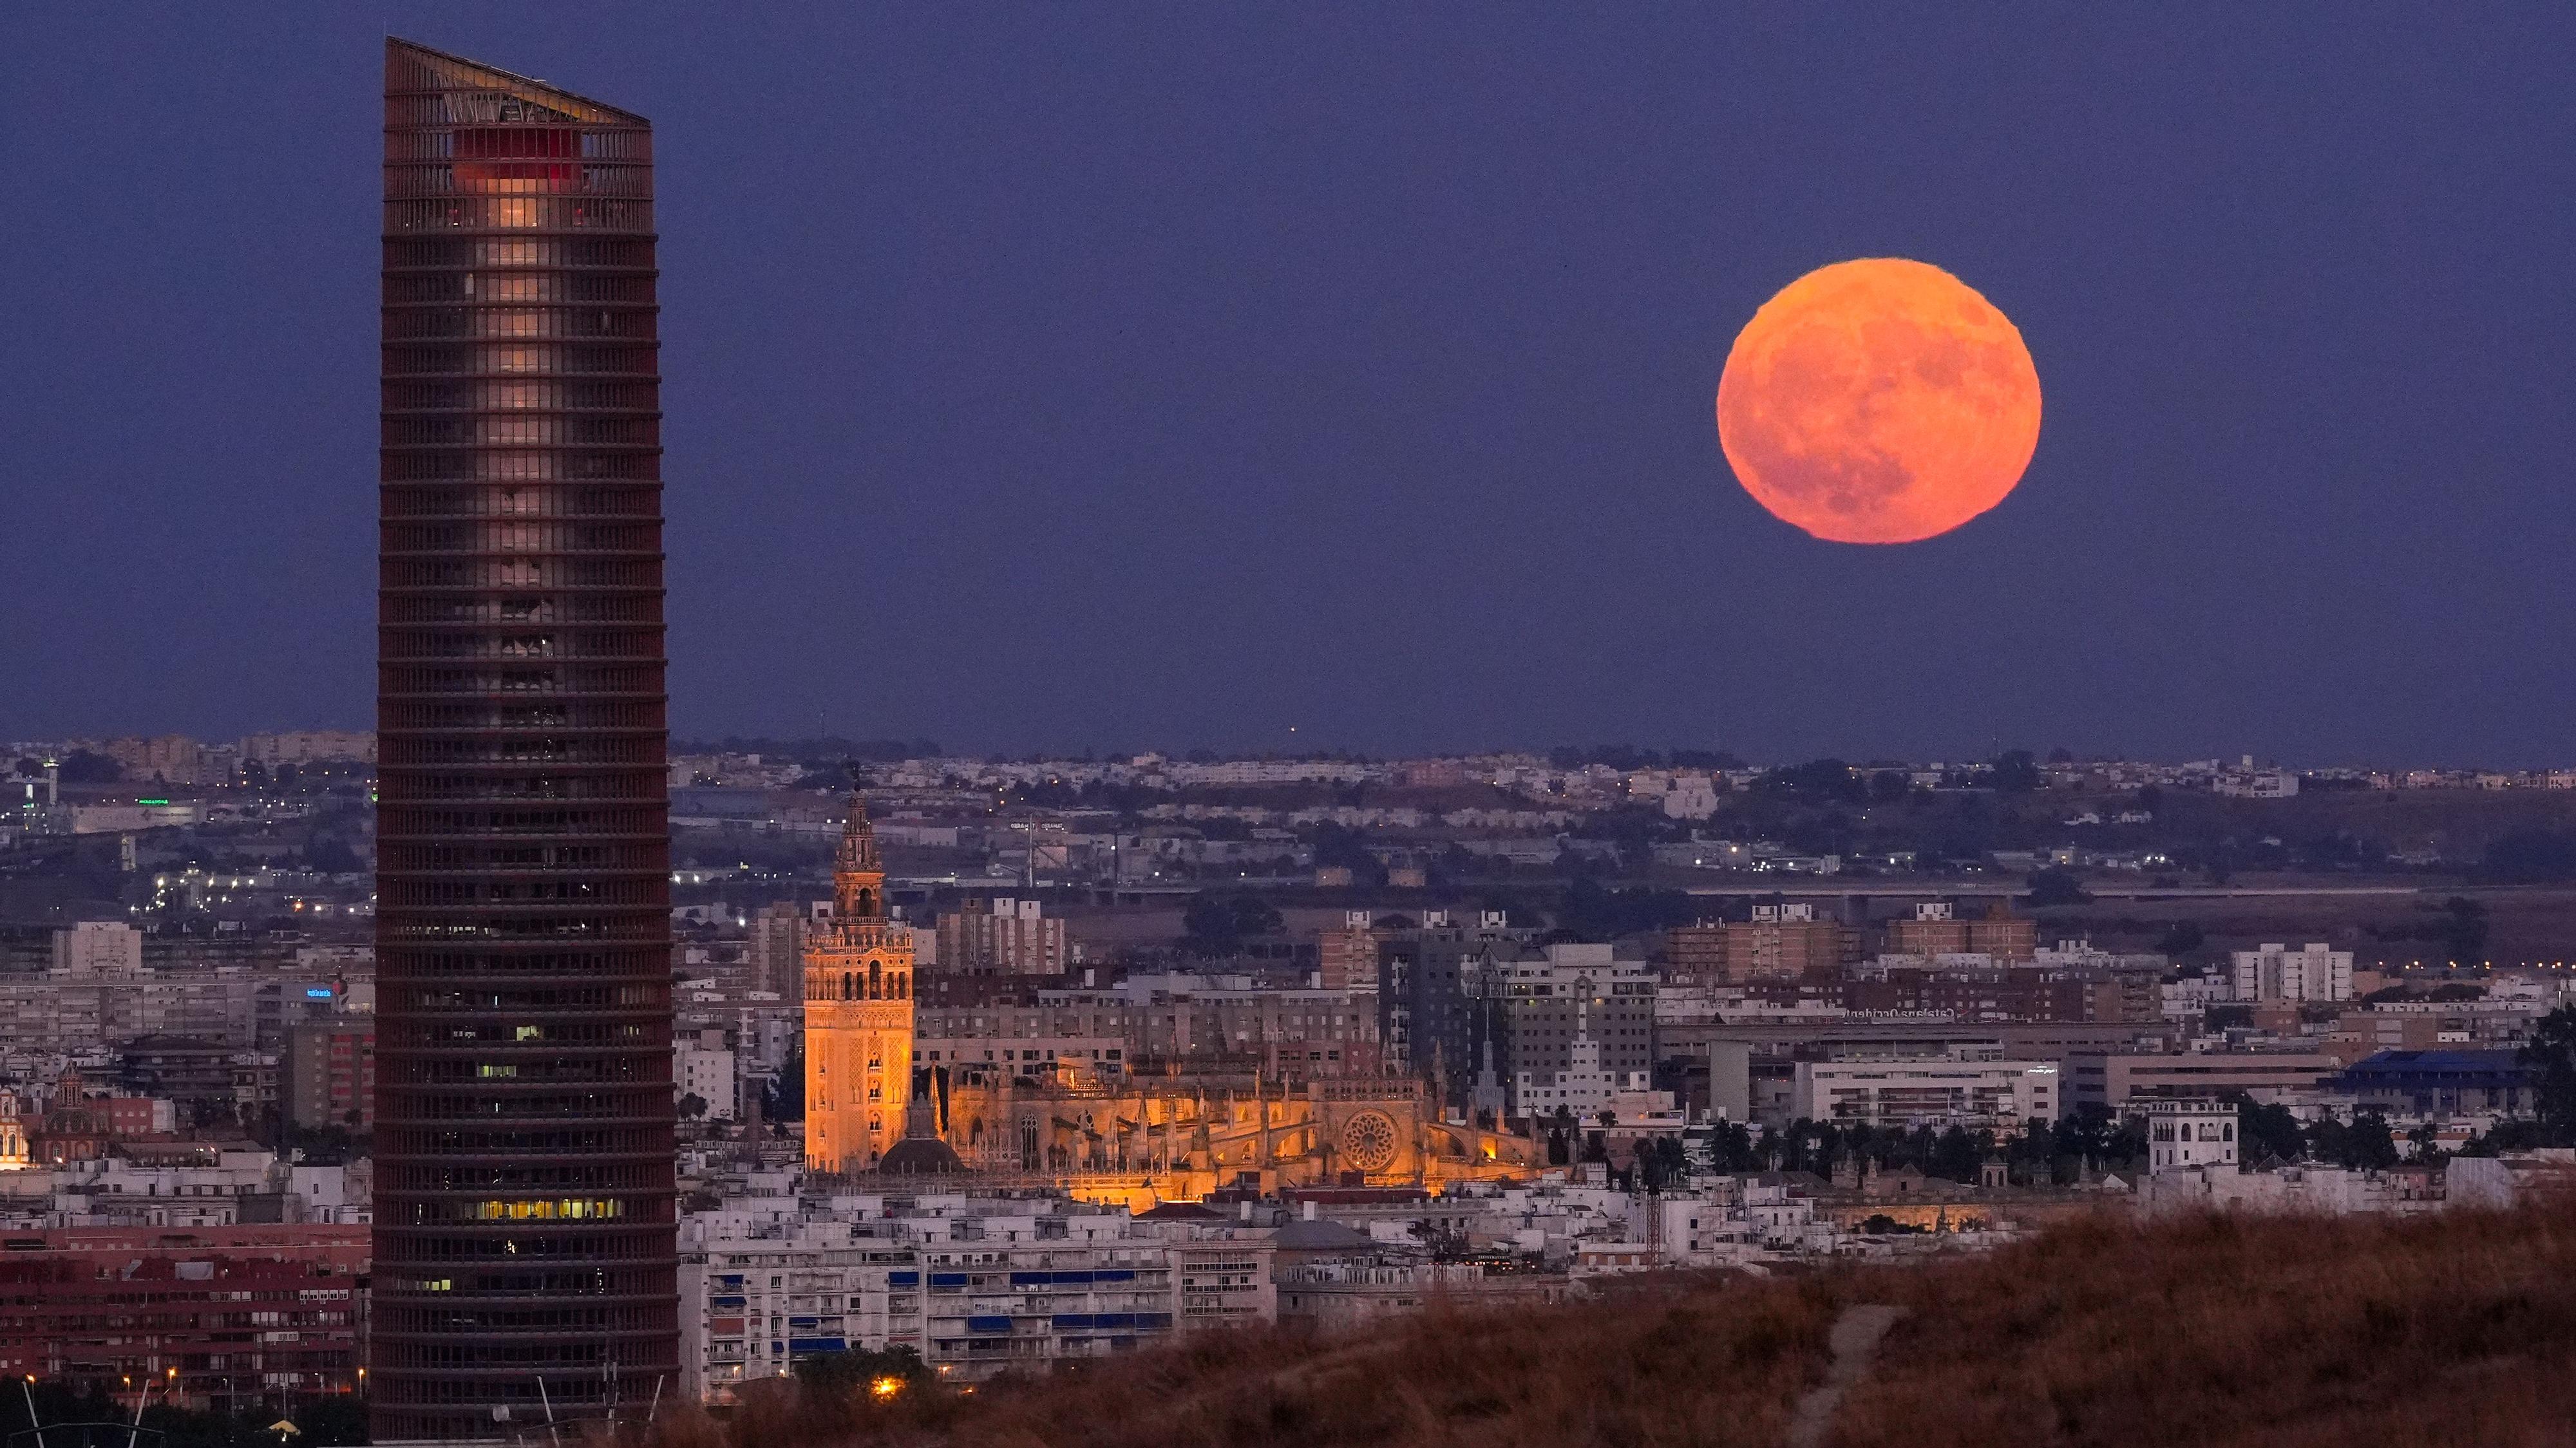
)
(525, 1263)
(775, 952)
(858, 1013)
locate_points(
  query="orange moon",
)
(1878, 401)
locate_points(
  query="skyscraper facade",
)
(525, 1262)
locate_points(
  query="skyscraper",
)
(524, 1252)
(858, 1013)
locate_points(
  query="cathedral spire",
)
(860, 1092)
(858, 873)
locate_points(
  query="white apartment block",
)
(2313, 972)
(976, 1287)
(1582, 1087)
(1917, 1092)
(311, 746)
(98, 947)
(705, 1069)
(2256, 784)
(1692, 797)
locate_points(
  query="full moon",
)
(1878, 401)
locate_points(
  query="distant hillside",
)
(2450, 1329)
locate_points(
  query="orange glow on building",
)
(858, 1013)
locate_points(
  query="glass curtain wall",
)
(525, 1264)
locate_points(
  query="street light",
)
(135, 1430)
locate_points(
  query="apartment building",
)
(1935, 929)
(1780, 942)
(2314, 972)
(977, 1287)
(1001, 936)
(1911, 1092)
(327, 1073)
(1570, 1026)
(2123, 1081)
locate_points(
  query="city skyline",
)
(1134, 396)
(2063, 501)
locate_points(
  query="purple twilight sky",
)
(1120, 376)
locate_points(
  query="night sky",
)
(1064, 377)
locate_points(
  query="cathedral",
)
(1140, 1143)
(868, 1110)
(858, 1014)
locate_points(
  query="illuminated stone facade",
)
(858, 1014)
(1140, 1143)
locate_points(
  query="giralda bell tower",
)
(525, 1264)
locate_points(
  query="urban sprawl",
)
(1012, 1063)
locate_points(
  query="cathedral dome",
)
(921, 1156)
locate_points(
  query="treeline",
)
(2531, 857)
(826, 749)
(1629, 756)
(2042, 1153)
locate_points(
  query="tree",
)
(2551, 1057)
(1821, 779)
(2015, 772)
(1958, 1156)
(1348, 848)
(2266, 1131)
(1662, 1162)
(2034, 1152)
(2368, 1143)
(2181, 938)
(1594, 913)
(1730, 1148)
(2056, 887)
(841, 1378)
(1215, 926)
(2463, 929)
(1560, 1136)
(330, 855)
(2221, 864)
(2531, 857)
(2511, 1134)
(692, 1106)
(784, 1098)
(82, 767)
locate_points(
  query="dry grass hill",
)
(2452, 1329)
